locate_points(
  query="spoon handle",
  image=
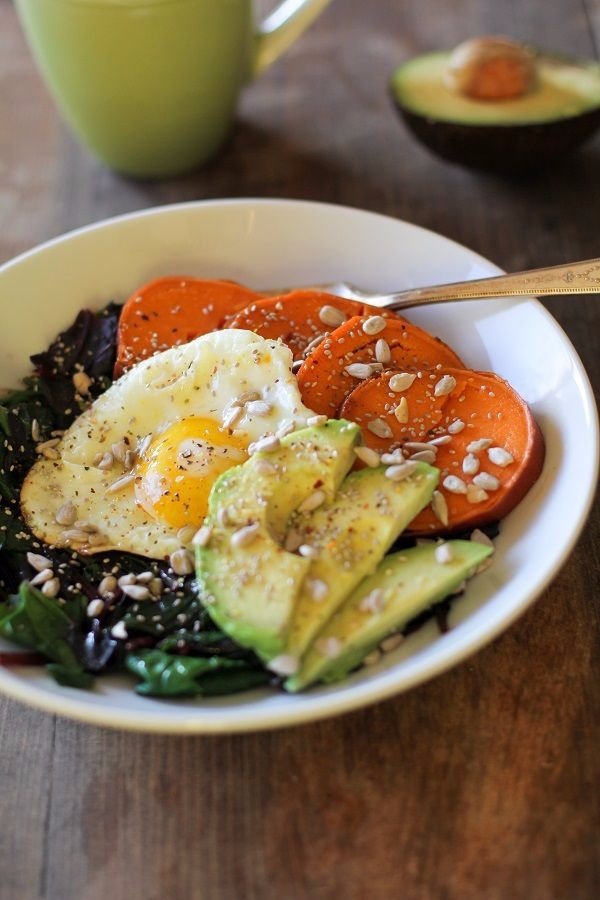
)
(572, 278)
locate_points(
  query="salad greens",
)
(171, 643)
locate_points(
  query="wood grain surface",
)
(484, 783)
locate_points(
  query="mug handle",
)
(281, 28)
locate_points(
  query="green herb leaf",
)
(70, 677)
(164, 675)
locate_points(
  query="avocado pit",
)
(497, 105)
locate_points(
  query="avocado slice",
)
(404, 584)
(523, 133)
(247, 580)
(350, 536)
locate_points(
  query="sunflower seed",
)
(119, 631)
(439, 507)
(202, 536)
(383, 354)
(264, 445)
(82, 383)
(106, 461)
(486, 481)
(456, 427)
(42, 577)
(95, 608)
(401, 411)
(136, 591)
(500, 457)
(359, 370)
(51, 587)
(181, 562)
(476, 494)
(480, 537)
(107, 586)
(401, 471)
(391, 643)
(35, 430)
(479, 445)
(185, 535)
(316, 589)
(470, 464)
(258, 408)
(454, 484)
(285, 664)
(66, 514)
(330, 647)
(313, 501)
(444, 386)
(401, 382)
(332, 316)
(372, 602)
(443, 554)
(120, 484)
(392, 459)
(316, 421)
(245, 535)
(373, 325)
(380, 428)
(38, 562)
(369, 456)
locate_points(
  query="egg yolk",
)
(175, 474)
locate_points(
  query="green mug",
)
(151, 85)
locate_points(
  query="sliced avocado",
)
(350, 536)
(561, 110)
(250, 588)
(404, 584)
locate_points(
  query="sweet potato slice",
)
(485, 440)
(301, 316)
(173, 310)
(325, 378)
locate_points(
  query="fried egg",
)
(135, 470)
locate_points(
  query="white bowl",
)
(272, 243)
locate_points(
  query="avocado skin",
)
(411, 581)
(502, 149)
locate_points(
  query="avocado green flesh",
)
(351, 535)
(250, 590)
(564, 90)
(410, 581)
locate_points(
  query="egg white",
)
(203, 378)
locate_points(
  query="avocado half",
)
(504, 136)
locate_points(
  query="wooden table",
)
(484, 783)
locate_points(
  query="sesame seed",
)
(316, 589)
(307, 551)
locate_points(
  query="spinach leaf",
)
(38, 623)
(164, 675)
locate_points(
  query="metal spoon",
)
(571, 278)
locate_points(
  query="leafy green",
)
(164, 675)
(38, 623)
